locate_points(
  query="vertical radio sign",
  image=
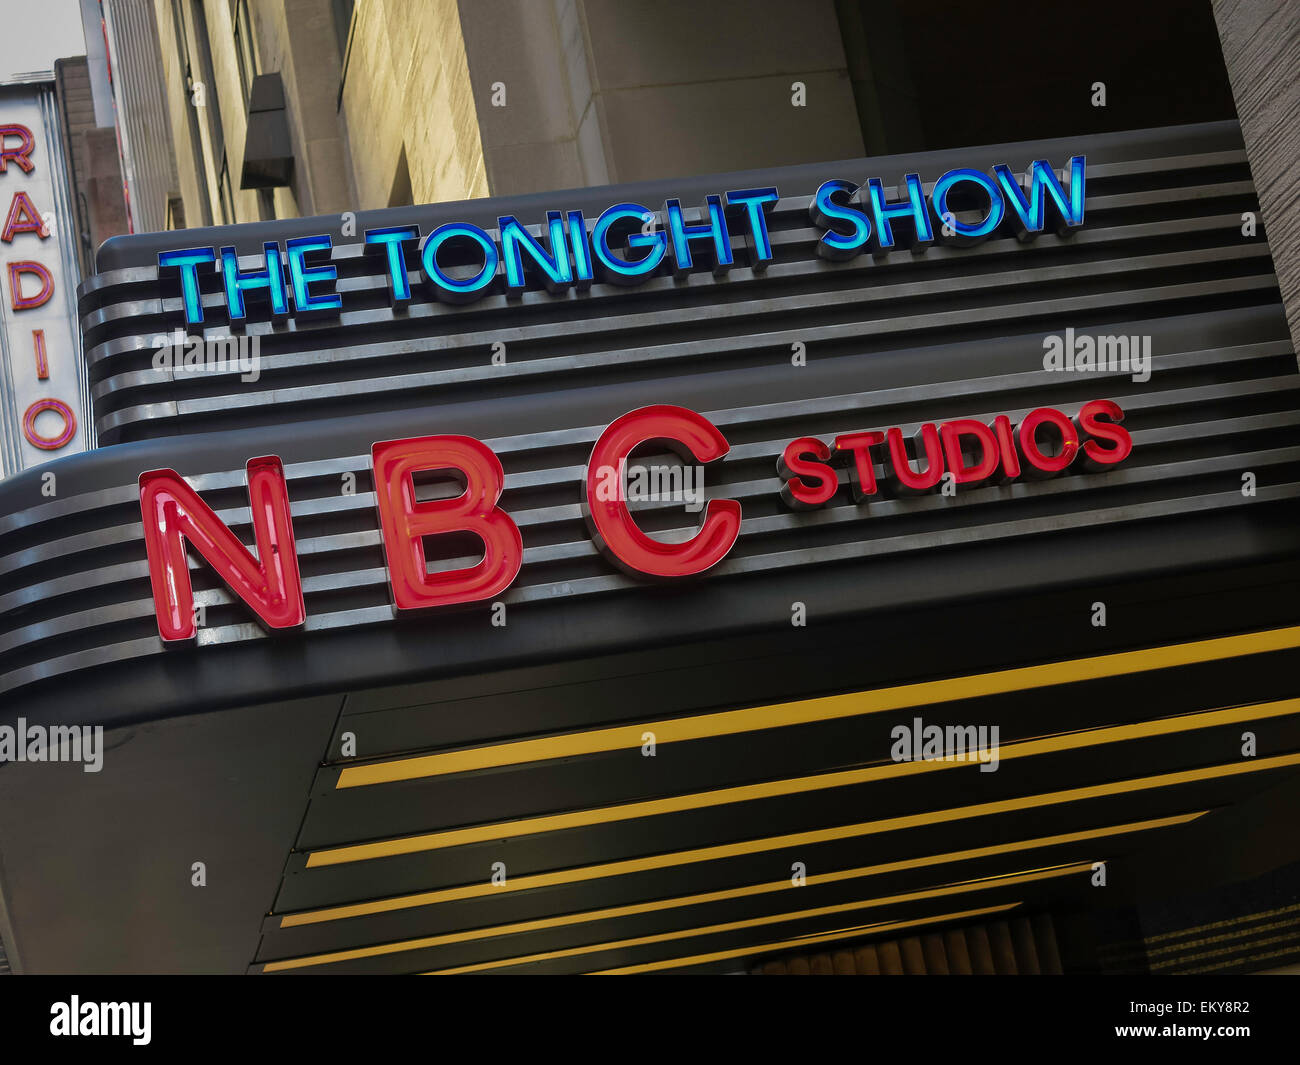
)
(41, 378)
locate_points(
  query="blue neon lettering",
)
(756, 202)
(187, 261)
(970, 230)
(563, 253)
(554, 265)
(714, 230)
(914, 208)
(391, 239)
(578, 246)
(271, 278)
(301, 276)
(825, 212)
(1030, 212)
(624, 271)
(467, 288)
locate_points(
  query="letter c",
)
(693, 437)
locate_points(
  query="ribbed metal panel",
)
(1163, 236)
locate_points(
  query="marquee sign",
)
(460, 262)
(37, 304)
(1044, 443)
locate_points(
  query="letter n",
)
(174, 515)
(405, 521)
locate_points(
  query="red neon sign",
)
(690, 435)
(174, 514)
(972, 452)
(405, 522)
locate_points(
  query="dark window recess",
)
(175, 212)
(268, 154)
(940, 75)
(400, 194)
(227, 195)
(245, 48)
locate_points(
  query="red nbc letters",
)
(693, 437)
(1044, 443)
(173, 514)
(404, 521)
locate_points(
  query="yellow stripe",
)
(756, 846)
(1010, 880)
(386, 848)
(803, 941)
(660, 905)
(702, 726)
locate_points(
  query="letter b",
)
(404, 521)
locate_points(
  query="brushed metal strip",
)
(637, 322)
(600, 293)
(141, 648)
(878, 511)
(820, 409)
(647, 358)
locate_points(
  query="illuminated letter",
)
(1029, 212)
(60, 439)
(554, 266)
(914, 207)
(174, 514)
(715, 229)
(21, 154)
(1041, 464)
(187, 261)
(691, 436)
(22, 218)
(967, 232)
(808, 482)
(824, 211)
(404, 521)
(391, 240)
(1094, 456)
(860, 444)
(1005, 435)
(270, 277)
(303, 301)
(987, 464)
(581, 252)
(459, 290)
(620, 270)
(17, 300)
(905, 480)
(757, 203)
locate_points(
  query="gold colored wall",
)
(407, 86)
